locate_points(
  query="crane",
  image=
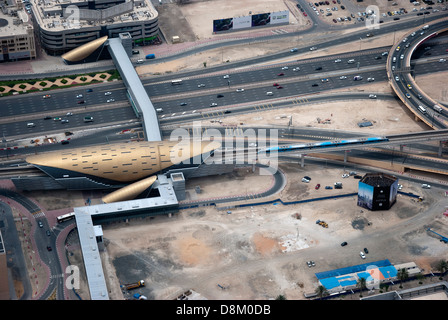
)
(442, 238)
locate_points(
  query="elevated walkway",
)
(140, 102)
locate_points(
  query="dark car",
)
(49, 248)
(281, 74)
(396, 18)
(219, 96)
(47, 117)
(318, 68)
(65, 142)
(183, 103)
(48, 233)
(343, 244)
(81, 102)
(365, 250)
(89, 90)
(227, 111)
(314, 85)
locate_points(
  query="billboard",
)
(365, 195)
(255, 20)
(242, 22)
(280, 17)
(223, 25)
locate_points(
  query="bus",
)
(66, 217)
(174, 82)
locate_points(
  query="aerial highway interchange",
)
(216, 92)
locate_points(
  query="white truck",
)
(437, 108)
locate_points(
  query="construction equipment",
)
(138, 296)
(322, 223)
(442, 238)
(134, 285)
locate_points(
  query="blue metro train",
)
(326, 144)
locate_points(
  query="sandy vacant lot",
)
(260, 252)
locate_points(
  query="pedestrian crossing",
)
(38, 214)
(279, 31)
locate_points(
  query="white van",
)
(159, 110)
(421, 109)
(269, 93)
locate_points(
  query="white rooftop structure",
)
(88, 232)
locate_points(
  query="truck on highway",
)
(150, 56)
(421, 109)
(437, 108)
(134, 285)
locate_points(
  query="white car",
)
(363, 256)
(337, 60)
(370, 79)
(342, 77)
(285, 68)
(296, 69)
(213, 104)
(110, 100)
(426, 186)
(226, 76)
(108, 93)
(305, 180)
(345, 175)
(201, 85)
(372, 96)
(79, 96)
(313, 48)
(69, 114)
(397, 78)
(442, 60)
(239, 90)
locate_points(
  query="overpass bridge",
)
(400, 78)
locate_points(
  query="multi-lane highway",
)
(17, 111)
(399, 71)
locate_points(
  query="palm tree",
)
(361, 285)
(280, 297)
(442, 266)
(402, 274)
(321, 291)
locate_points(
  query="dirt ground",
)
(260, 252)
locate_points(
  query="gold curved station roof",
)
(129, 192)
(84, 51)
(124, 162)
